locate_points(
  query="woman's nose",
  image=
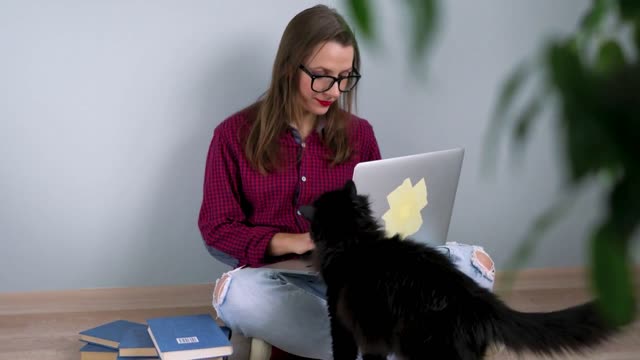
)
(334, 90)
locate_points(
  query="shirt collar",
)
(319, 129)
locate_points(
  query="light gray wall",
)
(107, 108)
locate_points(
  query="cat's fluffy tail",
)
(574, 329)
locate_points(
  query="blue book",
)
(189, 337)
(97, 352)
(109, 334)
(137, 342)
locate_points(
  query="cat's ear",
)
(307, 212)
(350, 187)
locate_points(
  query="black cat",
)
(387, 295)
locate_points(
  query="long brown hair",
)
(280, 104)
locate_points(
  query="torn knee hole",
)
(221, 288)
(484, 260)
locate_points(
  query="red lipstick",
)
(324, 103)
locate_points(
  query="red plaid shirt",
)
(242, 209)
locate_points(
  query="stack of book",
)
(184, 337)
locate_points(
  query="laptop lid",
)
(413, 195)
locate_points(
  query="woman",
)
(298, 141)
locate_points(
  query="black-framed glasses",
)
(322, 83)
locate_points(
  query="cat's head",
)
(338, 215)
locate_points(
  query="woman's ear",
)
(350, 187)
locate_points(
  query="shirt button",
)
(298, 212)
(303, 144)
(304, 178)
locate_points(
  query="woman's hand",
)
(287, 243)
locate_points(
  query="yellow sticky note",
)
(405, 204)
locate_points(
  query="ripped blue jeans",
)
(289, 311)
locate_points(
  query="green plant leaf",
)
(508, 92)
(610, 57)
(617, 99)
(566, 69)
(624, 204)
(523, 123)
(510, 88)
(524, 120)
(424, 17)
(582, 141)
(361, 10)
(593, 18)
(629, 9)
(579, 120)
(611, 276)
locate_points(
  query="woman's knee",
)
(261, 303)
(232, 293)
(483, 261)
(474, 261)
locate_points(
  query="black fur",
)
(387, 295)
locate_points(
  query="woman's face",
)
(328, 58)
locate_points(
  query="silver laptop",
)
(426, 183)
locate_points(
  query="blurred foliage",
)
(591, 77)
(424, 15)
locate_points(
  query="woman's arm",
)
(222, 222)
(287, 243)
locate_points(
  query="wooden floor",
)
(46, 325)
